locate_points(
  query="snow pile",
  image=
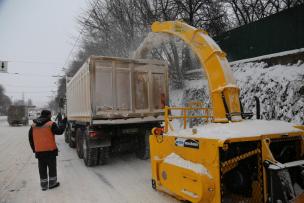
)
(268, 56)
(191, 194)
(3, 120)
(176, 98)
(248, 128)
(280, 89)
(176, 160)
(195, 90)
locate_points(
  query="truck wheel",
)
(153, 184)
(79, 139)
(71, 142)
(103, 155)
(143, 150)
(90, 155)
(66, 135)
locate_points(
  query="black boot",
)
(53, 182)
(55, 185)
(44, 184)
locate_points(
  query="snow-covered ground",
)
(123, 179)
(3, 121)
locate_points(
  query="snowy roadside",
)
(280, 89)
(3, 121)
(124, 179)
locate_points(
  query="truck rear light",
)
(157, 131)
(162, 100)
(92, 133)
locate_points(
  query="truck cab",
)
(17, 115)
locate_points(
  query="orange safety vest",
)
(44, 139)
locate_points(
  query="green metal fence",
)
(279, 32)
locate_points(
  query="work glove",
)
(62, 124)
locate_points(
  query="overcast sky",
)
(36, 37)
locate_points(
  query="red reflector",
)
(92, 133)
(158, 131)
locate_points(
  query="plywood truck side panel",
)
(107, 88)
(79, 95)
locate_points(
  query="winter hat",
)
(45, 113)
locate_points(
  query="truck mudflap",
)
(101, 142)
(285, 181)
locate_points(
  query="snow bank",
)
(176, 160)
(268, 56)
(246, 128)
(191, 194)
(3, 121)
(280, 89)
(195, 90)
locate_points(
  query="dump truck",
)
(232, 157)
(17, 115)
(112, 105)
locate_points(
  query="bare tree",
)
(30, 102)
(5, 101)
(117, 27)
(247, 11)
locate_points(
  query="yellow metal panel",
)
(207, 189)
(176, 180)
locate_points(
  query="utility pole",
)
(23, 99)
(3, 66)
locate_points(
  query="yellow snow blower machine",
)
(232, 158)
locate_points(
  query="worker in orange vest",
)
(42, 140)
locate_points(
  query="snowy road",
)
(123, 179)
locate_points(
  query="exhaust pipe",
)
(258, 108)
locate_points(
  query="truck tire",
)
(71, 142)
(79, 147)
(90, 155)
(103, 155)
(66, 135)
(143, 150)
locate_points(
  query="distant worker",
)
(58, 117)
(42, 141)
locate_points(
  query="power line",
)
(35, 92)
(26, 86)
(34, 75)
(34, 62)
(80, 33)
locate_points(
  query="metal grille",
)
(206, 113)
(257, 194)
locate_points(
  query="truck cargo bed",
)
(108, 88)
